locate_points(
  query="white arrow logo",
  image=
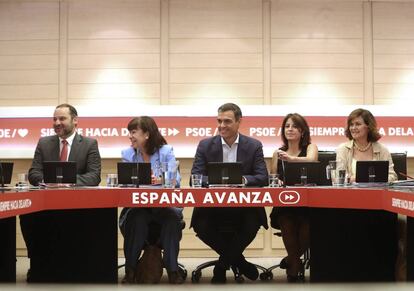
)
(173, 132)
(289, 197)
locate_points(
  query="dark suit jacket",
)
(249, 152)
(83, 150)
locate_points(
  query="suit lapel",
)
(74, 150)
(54, 149)
(218, 149)
(241, 149)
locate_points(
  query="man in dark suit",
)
(42, 231)
(211, 223)
(81, 149)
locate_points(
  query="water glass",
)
(336, 172)
(169, 174)
(196, 180)
(22, 180)
(112, 180)
(273, 180)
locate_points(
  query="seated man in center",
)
(230, 146)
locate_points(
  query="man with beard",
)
(81, 149)
(43, 231)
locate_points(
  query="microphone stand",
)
(1, 175)
(137, 180)
(284, 174)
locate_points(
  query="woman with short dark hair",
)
(148, 145)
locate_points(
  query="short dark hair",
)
(303, 126)
(72, 110)
(369, 119)
(231, 107)
(147, 125)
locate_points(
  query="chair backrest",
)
(400, 164)
(324, 157)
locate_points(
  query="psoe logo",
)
(289, 197)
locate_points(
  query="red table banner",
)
(16, 203)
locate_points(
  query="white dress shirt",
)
(70, 141)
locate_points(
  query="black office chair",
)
(268, 275)
(238, 277)
(154, 230)
(324, 157)
(400, 165)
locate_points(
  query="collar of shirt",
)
(69, 139)
(230, 152)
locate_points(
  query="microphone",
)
(284, 174)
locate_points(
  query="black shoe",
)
(283, 263)
(247, 269)
(175, 277)
(299, 278)
(219, 275)
(129, 277)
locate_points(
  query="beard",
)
(64, 131)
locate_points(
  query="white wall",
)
(136, 52)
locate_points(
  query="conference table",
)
(346, 223)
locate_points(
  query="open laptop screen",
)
(6, 171)
(372, 171)
(224, 173)
(294, 171)
(127, 171)
(59, 172)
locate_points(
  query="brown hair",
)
(303, 126)
(72, 110)
(231, 107)
(147, 125)
(369, 119)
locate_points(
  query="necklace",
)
(362, 149)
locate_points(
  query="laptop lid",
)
(294, 171)
(220, 173)
(128, 170)
(372, 171)
(6, 171)
(59, 172)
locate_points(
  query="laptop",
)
(134, 174)
(59, 172)
(224, 174)
(6, 171)
(293, 172)
(372, 171)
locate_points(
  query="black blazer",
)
(84, 151)
(249, 153)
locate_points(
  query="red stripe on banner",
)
(184, 133)
(361, 198)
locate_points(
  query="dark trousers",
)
(136, 231)
(228, 231)
(39, 233)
